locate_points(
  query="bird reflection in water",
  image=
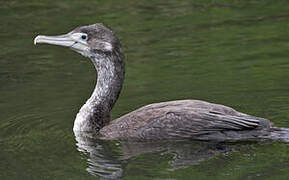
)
(108, 159)
(101, 160)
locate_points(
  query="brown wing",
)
(179, 120)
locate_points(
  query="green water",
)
(228, 52)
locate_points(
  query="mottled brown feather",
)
(193, 119)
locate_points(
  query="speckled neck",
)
(95, 113)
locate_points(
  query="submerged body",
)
(182, 119)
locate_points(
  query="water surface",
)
(227, 52)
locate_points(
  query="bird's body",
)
(182, 119)
(191, 119)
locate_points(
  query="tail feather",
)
(278, 134)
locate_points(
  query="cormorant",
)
(181, 119)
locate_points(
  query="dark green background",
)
(232, 52)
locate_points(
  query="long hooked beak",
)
(60, 40)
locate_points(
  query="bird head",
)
(86, 40)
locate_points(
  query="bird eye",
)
(84, 37)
